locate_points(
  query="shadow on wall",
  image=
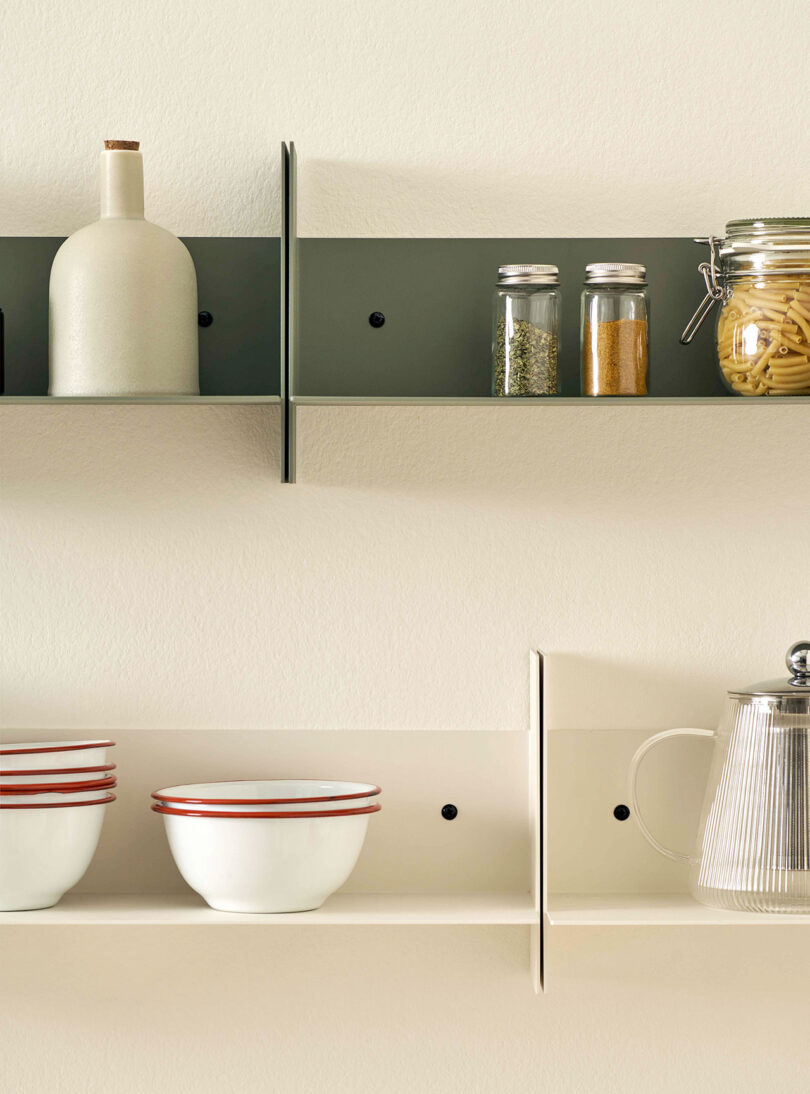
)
(616, 694)
(640, 464)
(100, 460)
(340, 198)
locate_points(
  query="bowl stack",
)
(53, 797)
(266, 846)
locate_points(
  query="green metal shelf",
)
(545, 400)
(139, 400)
(291, 322)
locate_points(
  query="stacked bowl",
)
(280, 845)
(53, 797)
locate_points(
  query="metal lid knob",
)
(798, 662)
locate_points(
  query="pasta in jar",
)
(759, 273)
(763, 336)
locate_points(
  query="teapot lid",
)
(797, 684)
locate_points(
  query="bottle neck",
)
(122, 184)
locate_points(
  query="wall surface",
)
(154, 573)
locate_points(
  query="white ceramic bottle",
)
(123, 297)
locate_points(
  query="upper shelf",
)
(542, 400)
(139, 400)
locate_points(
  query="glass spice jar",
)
(615, 329)
(759, 272)
(525, 331)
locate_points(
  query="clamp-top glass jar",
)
(615, 329)
(760, 274)
(525, 331)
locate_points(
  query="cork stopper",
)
(126, 146)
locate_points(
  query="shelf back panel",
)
(436, 296)
(238, 282)
(410, 846)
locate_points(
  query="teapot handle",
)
(635, 763)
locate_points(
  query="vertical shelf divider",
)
(289, 309)
(537, 807)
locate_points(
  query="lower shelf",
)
(652, 910)
(342, 909)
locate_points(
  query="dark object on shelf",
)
(621, 812)
(377, 319)
(449, 812)
(2, 357)
(205, 319)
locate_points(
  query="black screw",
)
(205, 319)
(376, 319)
(449, 812)
(621, 812)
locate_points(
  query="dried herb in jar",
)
(525, 362)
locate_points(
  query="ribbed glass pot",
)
(753, 845)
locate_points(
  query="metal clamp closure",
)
(714, 292)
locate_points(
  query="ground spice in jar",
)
(527, 365)
(614, 357)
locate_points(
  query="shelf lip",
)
(653, 910)
(137, 400)
(544, 400)
(342, 909)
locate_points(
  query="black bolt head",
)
(376, 319)
(449, 812)
(621, 812)
(205, 319)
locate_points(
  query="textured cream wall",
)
(155, 573)
(456, 117)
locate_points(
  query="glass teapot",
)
(753, 844)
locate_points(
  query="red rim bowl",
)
(161, 797)
(270, 816)
(60, 770)
(70, 746)
(57, 788)
(56, 805)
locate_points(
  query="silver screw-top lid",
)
(528, 275)
(796, 685)
(615, 273)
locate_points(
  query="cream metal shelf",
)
(418, 866)
(341, 910)
(652, 910)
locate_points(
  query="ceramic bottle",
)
(123, 297)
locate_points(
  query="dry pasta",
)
(763, 337)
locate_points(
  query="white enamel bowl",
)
(45, 850)
(268, 796)
(47, 797)
(265, 863)
(69, 776)
(49, 755)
